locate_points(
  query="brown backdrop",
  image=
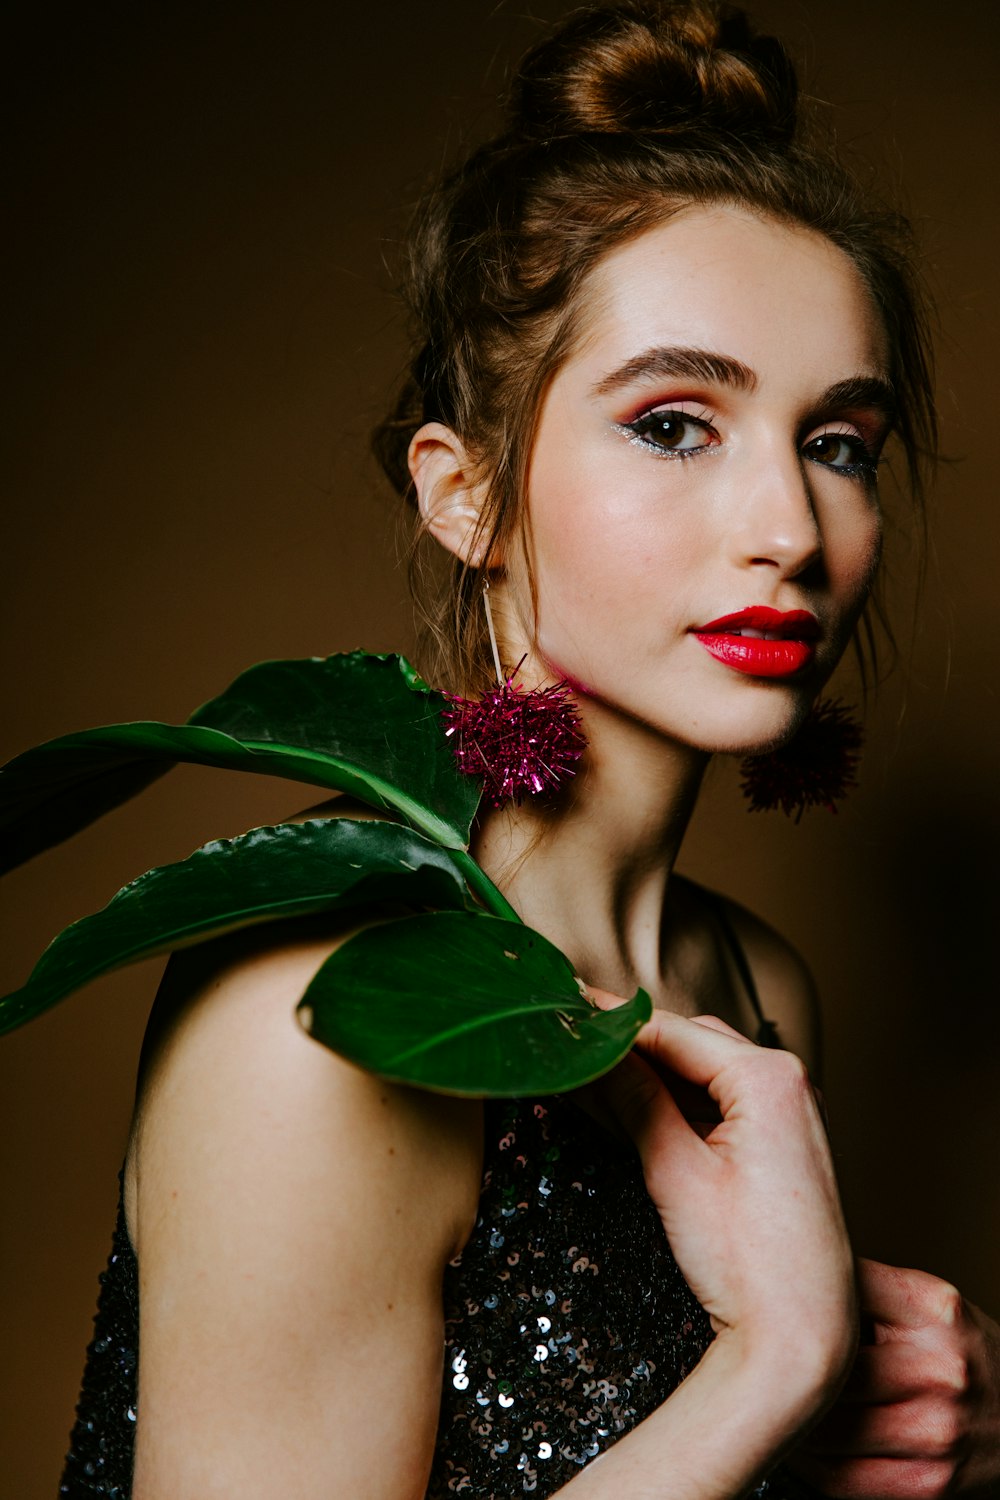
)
(202, 336)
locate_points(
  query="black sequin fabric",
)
(567, 1322)
(567, 1318)
(99, 1462)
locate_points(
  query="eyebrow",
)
(702, 365)
(677, 362)
(869, 392)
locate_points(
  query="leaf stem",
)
(478, 881)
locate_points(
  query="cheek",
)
(853, 548)
(613, 543)
(597, 560)
(595, 519)
(864, 549)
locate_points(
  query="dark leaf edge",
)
(54, 790)
(81, 952)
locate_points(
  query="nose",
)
(775, 523)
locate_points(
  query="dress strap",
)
(767, 1031)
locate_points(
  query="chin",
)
(767, 728)
(736, 715)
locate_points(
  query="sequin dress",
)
(567, 1320)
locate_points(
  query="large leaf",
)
(465, 1004)
(373, 716)
(361, 724)
(56, 789)
(264, 875)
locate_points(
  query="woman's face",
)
(707, 452)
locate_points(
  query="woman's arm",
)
(292, 1217)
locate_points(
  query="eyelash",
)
(865, 463)
(640, 428)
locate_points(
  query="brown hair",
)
(627, 113)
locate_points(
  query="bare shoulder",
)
(784, 983)
(292, 1216)
(781, 976)
(225, 1046)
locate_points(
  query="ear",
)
(449, 497)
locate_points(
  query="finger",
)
(715, 1024)
(893, 1371)
(694, 1102)
(923, 1428)
(899, 1298)
(689, 1048)
(603, 999)
(859, 1479)
(723, 1026)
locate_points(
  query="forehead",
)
(782, 299)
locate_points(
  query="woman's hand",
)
(746, 1191)
(920, 1414)
(749, 1202)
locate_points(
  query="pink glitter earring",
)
(816, 768)
(522, 742)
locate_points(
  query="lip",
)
(762, 642)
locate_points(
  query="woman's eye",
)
(841, 450)
(674, 432)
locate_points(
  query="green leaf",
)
(373, 716)
(52, 791)
(264, 875)
(465, 1004)
(56, 789)
(360, 724)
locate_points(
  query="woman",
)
(655, 431)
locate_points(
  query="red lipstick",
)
(762, 642)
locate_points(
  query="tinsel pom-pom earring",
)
(521, 741)
(816, 768)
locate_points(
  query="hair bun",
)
(648, 66)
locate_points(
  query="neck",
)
(590, 868)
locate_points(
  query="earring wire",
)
(492, 631)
